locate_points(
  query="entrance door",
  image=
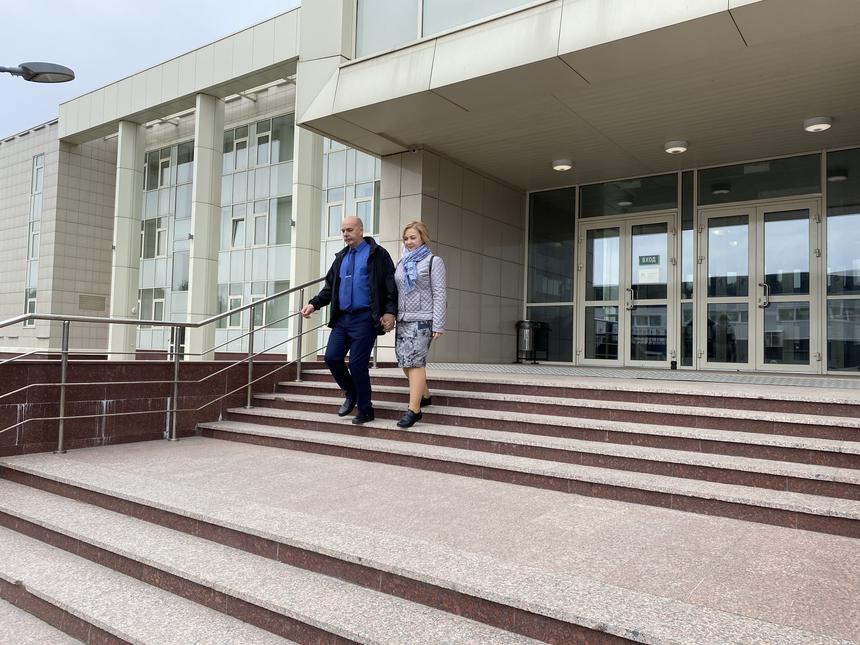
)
(627, 291)
(758, 271)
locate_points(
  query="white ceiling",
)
(736, 85)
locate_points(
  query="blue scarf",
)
(410, 265)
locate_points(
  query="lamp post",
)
(41, 72)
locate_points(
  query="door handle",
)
(629, 306)
(766, 301)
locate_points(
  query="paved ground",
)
(796, 578)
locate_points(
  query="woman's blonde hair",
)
(421, 227)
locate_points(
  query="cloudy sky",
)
(103, 41)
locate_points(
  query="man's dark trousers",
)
(353, 332)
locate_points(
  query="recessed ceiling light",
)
(721, 189)
(817, 124)
(562, 164)
(837, 174)
(624, 203)
(676, 147)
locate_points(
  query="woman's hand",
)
(437, 335)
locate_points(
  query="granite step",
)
(794, 510)
(537, 603)
(784, 399)
(96, 604)
(725, 418)
(22, 628)
(286, 600)
(824, 452)
(799, 478)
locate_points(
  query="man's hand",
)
(307, 310)
(437, 335)
(387, 322)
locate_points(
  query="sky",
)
(104, 41)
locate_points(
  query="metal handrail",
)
(178, 334)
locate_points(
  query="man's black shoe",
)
(426, 400)
(346, 407)
(363, 417)
(408, 420)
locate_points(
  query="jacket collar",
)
(370, 242)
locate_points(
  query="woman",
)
(421, 308)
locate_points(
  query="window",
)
(234, 301)
(241, 147)
(261, 217)
(150, 304)
(385, 24)
(263, 142)
(282, 138)
(38, 174)
(278, 309)
(34, 240)
(335, 217)
(29, 305)
(153, 238)
(760, 180)
(237, 227)
(441, 15)
(258, 292)
(637, 195)
(37, 184)
(280, 220)
(180, 271)
(184, 162)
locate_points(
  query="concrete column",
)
(205, 223)
(128, 210)
(307, 214)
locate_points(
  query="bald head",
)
(352, 231)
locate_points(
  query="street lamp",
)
(41, 72)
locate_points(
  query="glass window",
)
(280, 220)
(149, 227)
(282, 138)
(229, 156)
(237, 227)
(687, 334)
(152, 170)
(185, 162)
(144, 296)
(688, 264)
(260, 223)
(843, 335)
(786, 251)
(180, 271)
(385, 24)
(602, 264)
(365, 167)
(760, 180)
(601, 333)
(786, 333)
(335, 217)
(554, 338)
(551, 241)
(161, 237)
(629, 196)
(440, 15)
(241, 155)
(728, 332)
(337, 168)
(183, 201)
(843, 222)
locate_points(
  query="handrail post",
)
(299, 338)
(64, 366)
(251, 356)
(177, 355)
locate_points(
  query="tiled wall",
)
(16, 171)
(477, 227)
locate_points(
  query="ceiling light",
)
(624, 203)
(817, 124)
(721, 189)
(676, 147)
(837, 174)
(562, 164)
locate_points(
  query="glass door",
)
(626, 291)
(758, 272)
(786, 280)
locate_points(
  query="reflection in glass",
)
(843, 253)
(650, 261)
(687, 334)
(601, 332)
(728, 333)
(648, 333)
(551, 240)
(843, 335)
(786, 251)
(385, 24)
(602, 263)
(728, 256)
(440, 15)
(637, 195)
(786, 333)
(761, 180)
(555, 336)
(687, 213)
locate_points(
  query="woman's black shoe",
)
(425, 401)
(409, 419)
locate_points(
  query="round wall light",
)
(817, 124)
(837, 175)
(624, 203)
(721, 189)
(562, 164)
(676, 147)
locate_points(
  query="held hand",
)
(387, 322)
(307, 310)
(437, 335)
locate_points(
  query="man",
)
(361, 289)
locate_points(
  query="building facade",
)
(641, 178)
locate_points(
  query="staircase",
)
(285, 541)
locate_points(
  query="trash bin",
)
(526, 337)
